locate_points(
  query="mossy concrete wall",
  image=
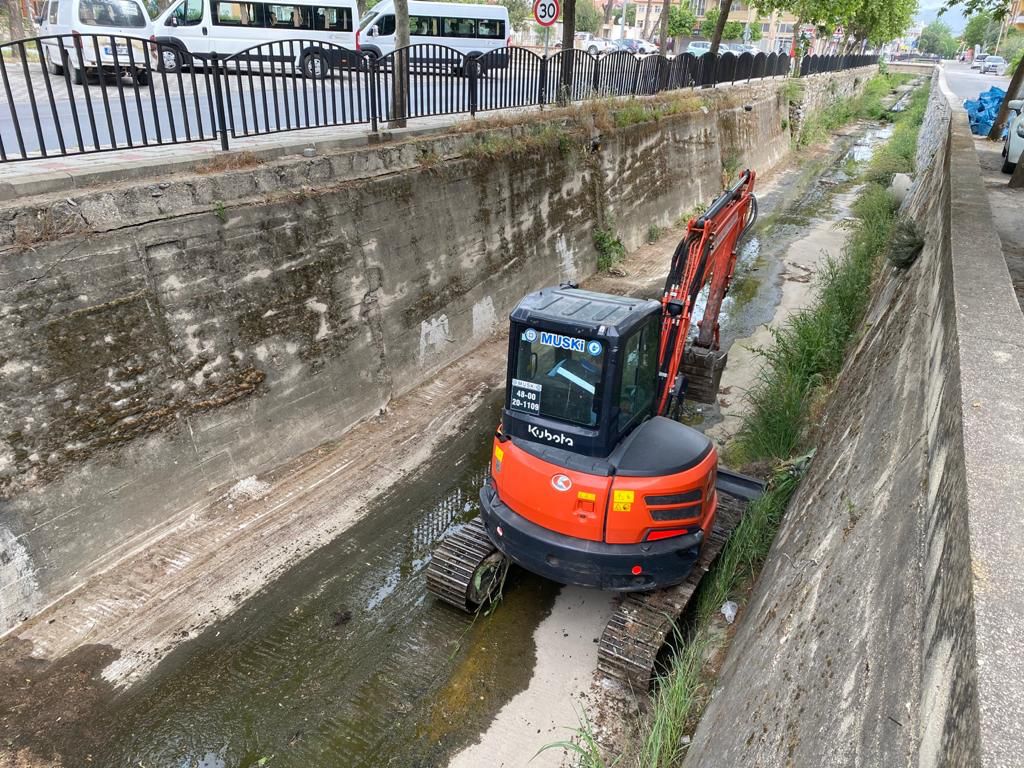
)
(885, 628)
(164, 338)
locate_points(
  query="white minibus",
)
(81, 18)
(472, 30)
(190, 30)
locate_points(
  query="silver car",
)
(994, 64)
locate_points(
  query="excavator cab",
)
(582, 369)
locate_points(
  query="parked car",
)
(625, 44)
(698, 47)
(1013, 147)
(979, 60)
(107, 18)
(644, 46)
(594, 45)
(994, 64)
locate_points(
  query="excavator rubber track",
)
(466, 569)
(643, 622)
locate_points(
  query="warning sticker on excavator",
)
(498, 453)
(622, 501)
(586, 496)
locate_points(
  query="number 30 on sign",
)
(546, 12)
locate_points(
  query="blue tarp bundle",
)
(983, 112)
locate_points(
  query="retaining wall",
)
(885, 628)
(165, 337)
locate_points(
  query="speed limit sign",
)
(546, 11)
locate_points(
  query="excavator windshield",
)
(558, 376)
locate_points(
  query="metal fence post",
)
(543, 92)
(474, 83)
(372, 66)
(597, 77)
(218, 93)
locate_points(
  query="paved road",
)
(967, 83)
(48, 111)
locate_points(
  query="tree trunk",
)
(17, 26)
(1017, 179)
(608, 7)
(723, 16)
(400, 65)
(1013, 91)
(568, 50)
(663, 43)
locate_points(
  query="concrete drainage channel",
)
(345, 661)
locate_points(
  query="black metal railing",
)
(77, 94)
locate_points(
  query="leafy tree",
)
(630, 16)
(755, 30)
(937, 38)
(681, 21)
(981, 30)
(520, 12)
(707, 24)
(588, 18)
(733, 30)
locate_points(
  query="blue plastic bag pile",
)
(983, 112)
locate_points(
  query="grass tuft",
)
(610, 250)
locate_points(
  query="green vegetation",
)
(868, 105)
(528, 141)
(610, 250)
(905, 245)
(876, 21)
(799, 369)
(654, 233)
(681, 21)
(937, 38)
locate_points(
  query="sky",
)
(928, 10)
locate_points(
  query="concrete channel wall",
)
(163, 338)
(883, 629)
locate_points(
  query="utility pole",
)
(625, 7)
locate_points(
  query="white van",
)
(80, 19)
(472, 30)
(190, 30)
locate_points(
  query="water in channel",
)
(345, 661)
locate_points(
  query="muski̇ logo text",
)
(543, 434)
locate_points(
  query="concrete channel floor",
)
(211, 558)
(1007, 210)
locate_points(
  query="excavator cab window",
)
(639, 376)
(558, 377)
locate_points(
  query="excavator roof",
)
(587, 312)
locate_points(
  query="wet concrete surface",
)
(344, 660)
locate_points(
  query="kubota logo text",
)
(551, 437)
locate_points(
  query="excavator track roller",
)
(467, 570)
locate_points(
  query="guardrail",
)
(95, 93)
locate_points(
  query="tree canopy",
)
(588, 18)
(876, 21)
(681, 21)
(937, 38)
(733, 30)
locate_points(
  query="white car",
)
(1013, 147)
(594, 45)
(646, 47)
(699, 47)
(994, 64)
(979, 60)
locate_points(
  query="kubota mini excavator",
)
(591, 482)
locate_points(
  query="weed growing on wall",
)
(610, 250)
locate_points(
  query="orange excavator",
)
(592, 482)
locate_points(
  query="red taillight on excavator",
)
(636, 570)
(666, 533)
